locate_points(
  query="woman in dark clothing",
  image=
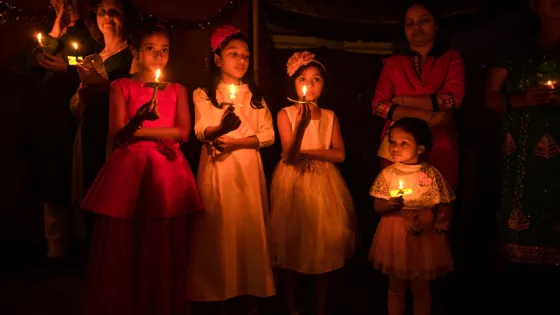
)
(109, 24)
(51, 121)
(524, 87)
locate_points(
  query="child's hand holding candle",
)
(400, 191)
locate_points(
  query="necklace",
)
(119, 48)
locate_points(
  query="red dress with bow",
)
(143, 195)
(441, 76)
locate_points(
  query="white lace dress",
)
(399, 248)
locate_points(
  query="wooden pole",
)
(255, 18)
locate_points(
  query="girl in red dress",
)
(143, 195)
(428, 83)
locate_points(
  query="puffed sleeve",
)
(202, 113)
(380, 187)
(265, 127)
(445, 191)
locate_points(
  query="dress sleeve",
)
(265, 127)
(452, 92)
(445, 191)
(380, 187)
(384, 92)
(202, 113)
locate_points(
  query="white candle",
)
(232, 93)
(400, 191)
(75, 50)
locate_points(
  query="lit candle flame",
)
(232, 91)
(400, 184)
(75, 45)
(40, 39)
(158, 73)
(304, 90)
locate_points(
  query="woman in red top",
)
(429, 84)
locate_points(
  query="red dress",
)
(441, 76)
(143, 196)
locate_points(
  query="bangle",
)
(435, 102)
(391, 111)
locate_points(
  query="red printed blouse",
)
(442, 77)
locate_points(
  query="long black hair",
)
(441, 42)
(215, 76)
(147, 28)
(419, 129)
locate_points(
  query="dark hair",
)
(441, 44)
(148, 28)
(419, 129)
(89, 13)
(215, 76)
(428, 5)
(291, 87)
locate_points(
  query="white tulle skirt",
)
(312, 220)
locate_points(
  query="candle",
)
(76, 50)
(400, 191)
(158, 74)
(40, 39)
(551, 84)
(232, 92)
(304, 91)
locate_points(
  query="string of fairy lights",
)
(12, 13)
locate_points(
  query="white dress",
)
(228, 254)
(312, 219)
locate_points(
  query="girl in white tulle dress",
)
(415, 203)
(311, 228)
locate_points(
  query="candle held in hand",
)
(400, 191)
(232, 93)
(158, 74)
(76, 51)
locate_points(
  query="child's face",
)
(312, 79)
(233, 59)
(154, 52)
(403, 148)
